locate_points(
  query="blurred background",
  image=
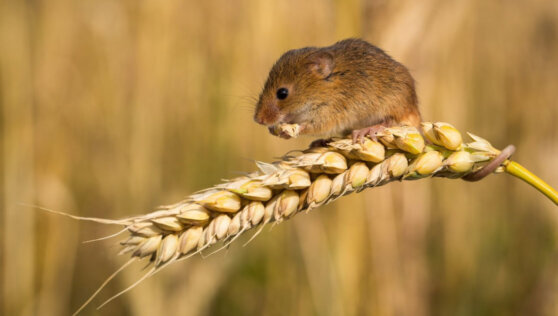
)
(110, 108)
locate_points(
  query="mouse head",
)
(295, 85)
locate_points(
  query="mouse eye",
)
(282, 93)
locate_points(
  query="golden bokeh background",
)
(110, 108)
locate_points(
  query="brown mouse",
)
(349, 87)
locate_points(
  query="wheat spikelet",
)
(296, 183)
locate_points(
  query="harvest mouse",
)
(350, 87)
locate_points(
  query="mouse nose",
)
(267, 114)
(258, 119)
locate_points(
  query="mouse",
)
(351, 88)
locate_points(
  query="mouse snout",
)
(267, 115)
(259, 119)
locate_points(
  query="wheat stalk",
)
(301, 182)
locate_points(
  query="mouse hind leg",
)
(410, 118)
(371, 131)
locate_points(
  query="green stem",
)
(519, 171)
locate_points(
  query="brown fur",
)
(337, 89)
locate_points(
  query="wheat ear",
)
(301, 182)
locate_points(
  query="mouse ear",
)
(321, 63)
